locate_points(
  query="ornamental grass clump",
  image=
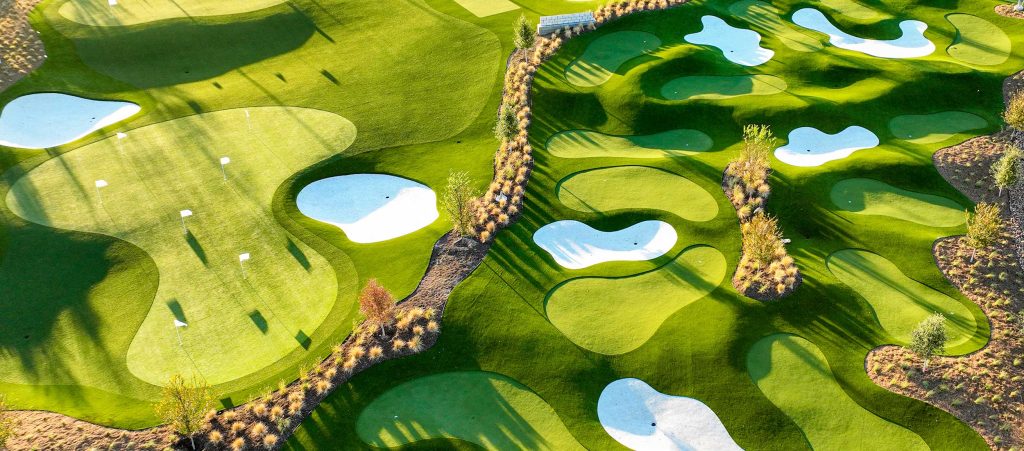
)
(983, 227)
(765, 270)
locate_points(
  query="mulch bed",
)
(1007, 10)
(21, 49)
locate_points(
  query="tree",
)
(7, 424)
(752, 164)
(507, 126)
(929, 338)
(1006, 170)
(1014, 115)
(524, 33)
(458, 202)
(377, 304)
(983, 227)
(184, 405)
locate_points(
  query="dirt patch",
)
(1007, 10)
(21, 49)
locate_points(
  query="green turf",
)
(607, 54)
(484, 8)
(978, 41)
(936, 127)
(711, 87)
(854, 10)
(131, 12)
(616, 316)
(899, 302)
(794, 374)
(637, 187)
(488, 409)
(766, 20)
(872, 197)
(589, 144)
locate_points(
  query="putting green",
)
(722, 87)
(978, 41)
(899, 302)
(853, 10)
(606, 54)
(130, 12)
(486, 8)
(637, 187)
(794, 375)
(236, 325)
(590, 144)
(488, 409)
(607, 316)
(872, 197)
(933, 128)
(768, 18)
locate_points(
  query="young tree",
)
(507, 126)
(929, 338)
(524, 33)
(377, 304)
(184, 405)
(1006, 170)
(458, 202)
(7, 424)
(983, 227)
(752, 164)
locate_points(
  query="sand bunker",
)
(809, 146)
(978, 41)
(370, 208)
(738, 45)
(639, 417)
(575, 245)
(911, 44)
(933, 128)
(711, 87)
(591, 144)
(606, 54)
(38, 121)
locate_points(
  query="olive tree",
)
(929, 338)
(184, 404)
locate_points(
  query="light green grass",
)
(132, 12)
(637, 187)
(766, 19)
(793, 373)
(712, 87)
(854, 10)
(978, 41)
(236, 326)
(899, 302)
(872, 197)
(488, 409)
(485, 8)
(607, 54)
(616, 316)
(934, 128)
(591, 144)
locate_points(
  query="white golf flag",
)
(179, 323)
(101, 183)
(186, 213)
(243, 257)
(225, 160)
(247, 113)
(119, 134)
(112, 2)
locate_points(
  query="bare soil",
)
(21, 49)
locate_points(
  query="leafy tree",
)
(983, 227)
(1006, 171)
(184, 405)
(458, 202)
(377, 304)
(7, 424)
(507, 126)
(929, 338)
(524, 33)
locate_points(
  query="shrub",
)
(7, 424)
(761, 239)
(983, 227)
(929, 338)
(238, 444)
(376, 352)
(270, 441)
(183, 405)
(1014, 113)
(1006, 170)
(458, 202)
(507, 127)
(377, 304)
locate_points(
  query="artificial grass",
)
(606, 55)
(872, 197)
(130, 12)
(855, 10)
(488, 409)
(590, 144)
(794, 374)
(766, 19)
(484, 8)
(935, 127)
(637, 187)
(899, 302)
(978, 41)
(257, 316)
(617, 315)
(712, 87)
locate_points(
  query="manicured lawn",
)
(589, 144)
(131, 12)
(605, 55)
(636, 187)
(872, 197)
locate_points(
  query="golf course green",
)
(710, 87)
(606, 55)
(637, 187)
(872, 197)
(978, 41)
(588, 144)
(934, 128)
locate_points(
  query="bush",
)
(184, 404)
(458, 202)
(377, 304)
(7, 424)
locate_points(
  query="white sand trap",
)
(911, 44)
(639, 417)
(370, 208)
(575, 245)
(739, 45)
(38, 121)
(809, 146)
